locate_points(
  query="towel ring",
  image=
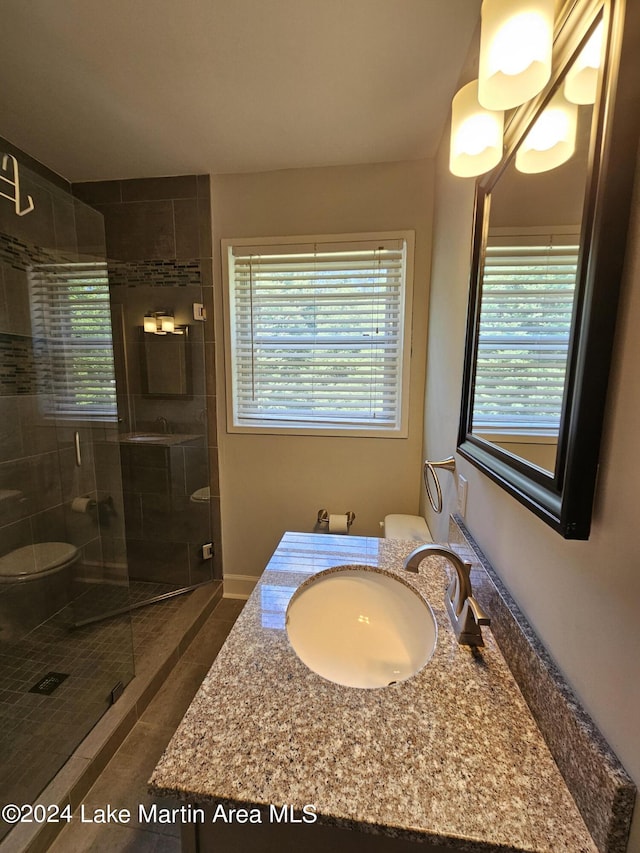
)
(430, 468)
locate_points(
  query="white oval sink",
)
(359, 627)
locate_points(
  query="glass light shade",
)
(476, 134)
(581, 83)
(516, 41)
(149, 323)
(167, 324)
(552, 139)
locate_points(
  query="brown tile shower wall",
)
(158, 237)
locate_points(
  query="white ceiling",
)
(103, 89)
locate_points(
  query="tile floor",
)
(38, 733)
(123, 783)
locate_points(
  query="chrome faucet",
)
(164, 423)
(464, 611)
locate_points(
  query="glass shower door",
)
(61, 521)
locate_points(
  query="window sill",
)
(518, 436)
(318, 432)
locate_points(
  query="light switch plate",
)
(199, 312)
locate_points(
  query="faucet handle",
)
(467, 623)
(479, 615)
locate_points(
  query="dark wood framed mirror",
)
(547, 261)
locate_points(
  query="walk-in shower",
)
(104, 483)
(61, 525)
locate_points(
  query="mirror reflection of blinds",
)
(317, 334)
(525, 324)
(71, 313)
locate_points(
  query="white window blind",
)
(318, 334)
(525, 324)
(70, 312)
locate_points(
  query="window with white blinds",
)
(318, 333)
(71, 315)
(525, 324)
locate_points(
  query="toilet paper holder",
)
(323, 517)
(102, 508)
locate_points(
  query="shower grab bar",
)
(448, 464)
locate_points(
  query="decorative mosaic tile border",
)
(599, 784)
(156, 273)
(24, 367)
(21, 256)
(167, 273)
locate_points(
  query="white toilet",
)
(406, 527)
(35, 583)
(32, 562)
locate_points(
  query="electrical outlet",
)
(463, 485)
(207, 551)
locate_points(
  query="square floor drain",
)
(48, 683)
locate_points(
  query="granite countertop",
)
(451, 756)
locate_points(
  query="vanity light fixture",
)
(516, 42)
(161, 323)
(167, 323)
(552, 139)
(149, 323)
(476, 134)
(581, 84)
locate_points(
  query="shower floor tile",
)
(38, 732)
(124, 780)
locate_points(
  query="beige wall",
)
(270, 484)
(581, 597)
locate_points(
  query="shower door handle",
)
(76, 443)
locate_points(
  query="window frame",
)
(401, 430)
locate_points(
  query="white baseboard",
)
(238, 586)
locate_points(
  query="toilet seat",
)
(36, 561)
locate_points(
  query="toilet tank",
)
(406, 527)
